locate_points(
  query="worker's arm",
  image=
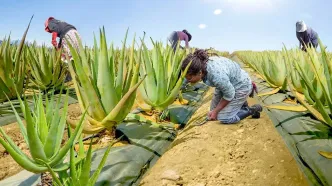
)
(313, 37)
(186, 40)
(298, 36)
(184, 83)
(254, 90)
(221, 105)
(54, 42)
(303, 46)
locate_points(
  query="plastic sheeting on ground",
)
(181, 114)
(303, 135)
(126, 165)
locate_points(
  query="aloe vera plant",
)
(271, 67)
(80, 167)
(318, 99)
(43, 135)
(253, 60)
(322, 74)
(298, 58)
(47, 70)
(275, 70)
(13, 68)
(290, 58)
(106, 93)
(162, 84)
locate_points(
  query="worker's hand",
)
(63, 57)
(304, 49)
(55, 46)
(254, 89)
(212, 115)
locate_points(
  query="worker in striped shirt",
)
(232, 86)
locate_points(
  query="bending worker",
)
(64, 31)
(233, 86)
(178, 36)
(306, 36)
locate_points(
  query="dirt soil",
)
(249, 153)
(8, 166)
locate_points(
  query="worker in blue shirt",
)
(306, 36)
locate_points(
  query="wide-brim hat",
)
(301, 26)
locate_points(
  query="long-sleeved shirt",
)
(226, 75)
(306, 37)
(183, 37)
(58, 29)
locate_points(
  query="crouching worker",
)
(232, 86)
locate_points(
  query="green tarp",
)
(181, 114)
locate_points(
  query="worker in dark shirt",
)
(306, 36)
(64, 31)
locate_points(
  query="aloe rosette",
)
(80, 167)
(47, 69)
(162, 84)
(43, 135)
(13, 68)
(108, 93)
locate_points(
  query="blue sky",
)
(241, 25)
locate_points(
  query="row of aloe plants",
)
(106, 81)
(306, 74)
(26, 69)
(44, 126)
